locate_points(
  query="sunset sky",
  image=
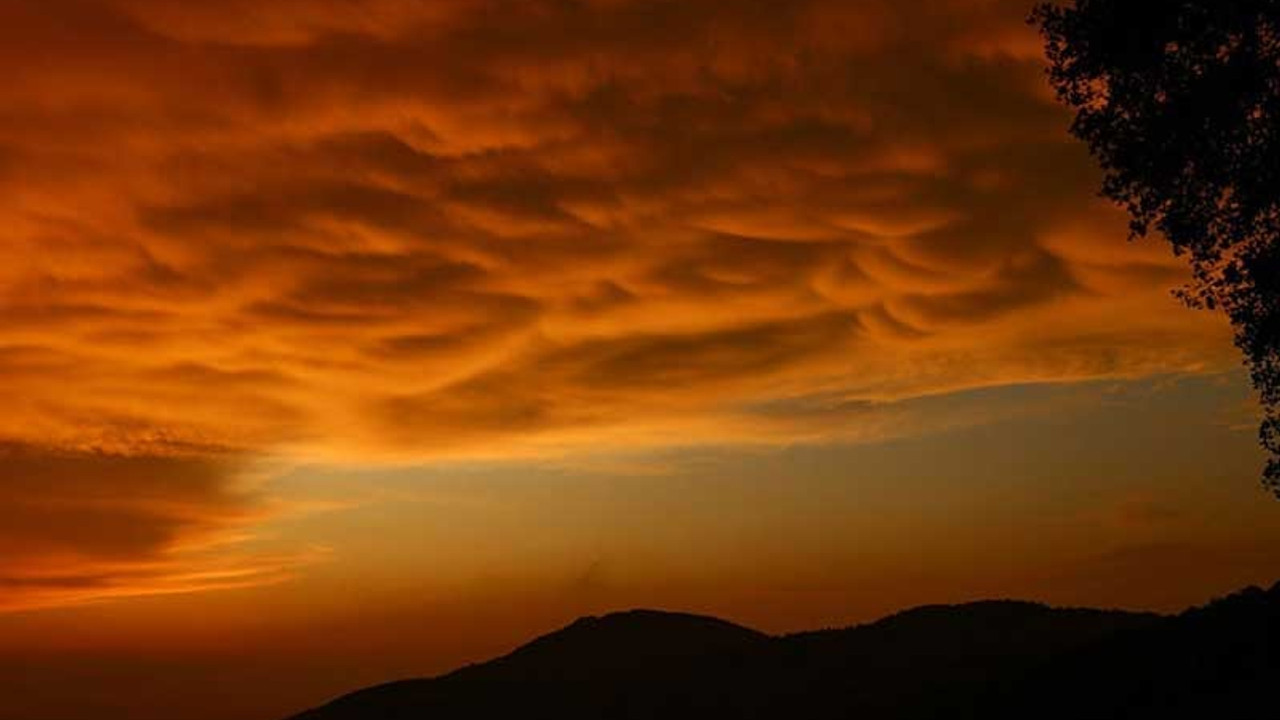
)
(351, 340)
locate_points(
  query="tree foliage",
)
(1179, 100)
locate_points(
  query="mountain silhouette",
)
(990, 660)
(1219, 661)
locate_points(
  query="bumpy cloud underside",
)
(415, 228)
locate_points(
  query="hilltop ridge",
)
(993, 659)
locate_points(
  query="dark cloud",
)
(77, 526)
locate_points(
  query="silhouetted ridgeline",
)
(990, 660)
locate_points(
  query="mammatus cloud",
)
(406, 228)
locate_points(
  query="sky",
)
(346, 341)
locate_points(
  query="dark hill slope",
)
(633, 664)
(936, 661)
(921, 663)
(1220, 661)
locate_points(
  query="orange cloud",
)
(402, 228)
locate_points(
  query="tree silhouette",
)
(1179, 100)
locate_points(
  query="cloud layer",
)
(408, 228)
(78, 527)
